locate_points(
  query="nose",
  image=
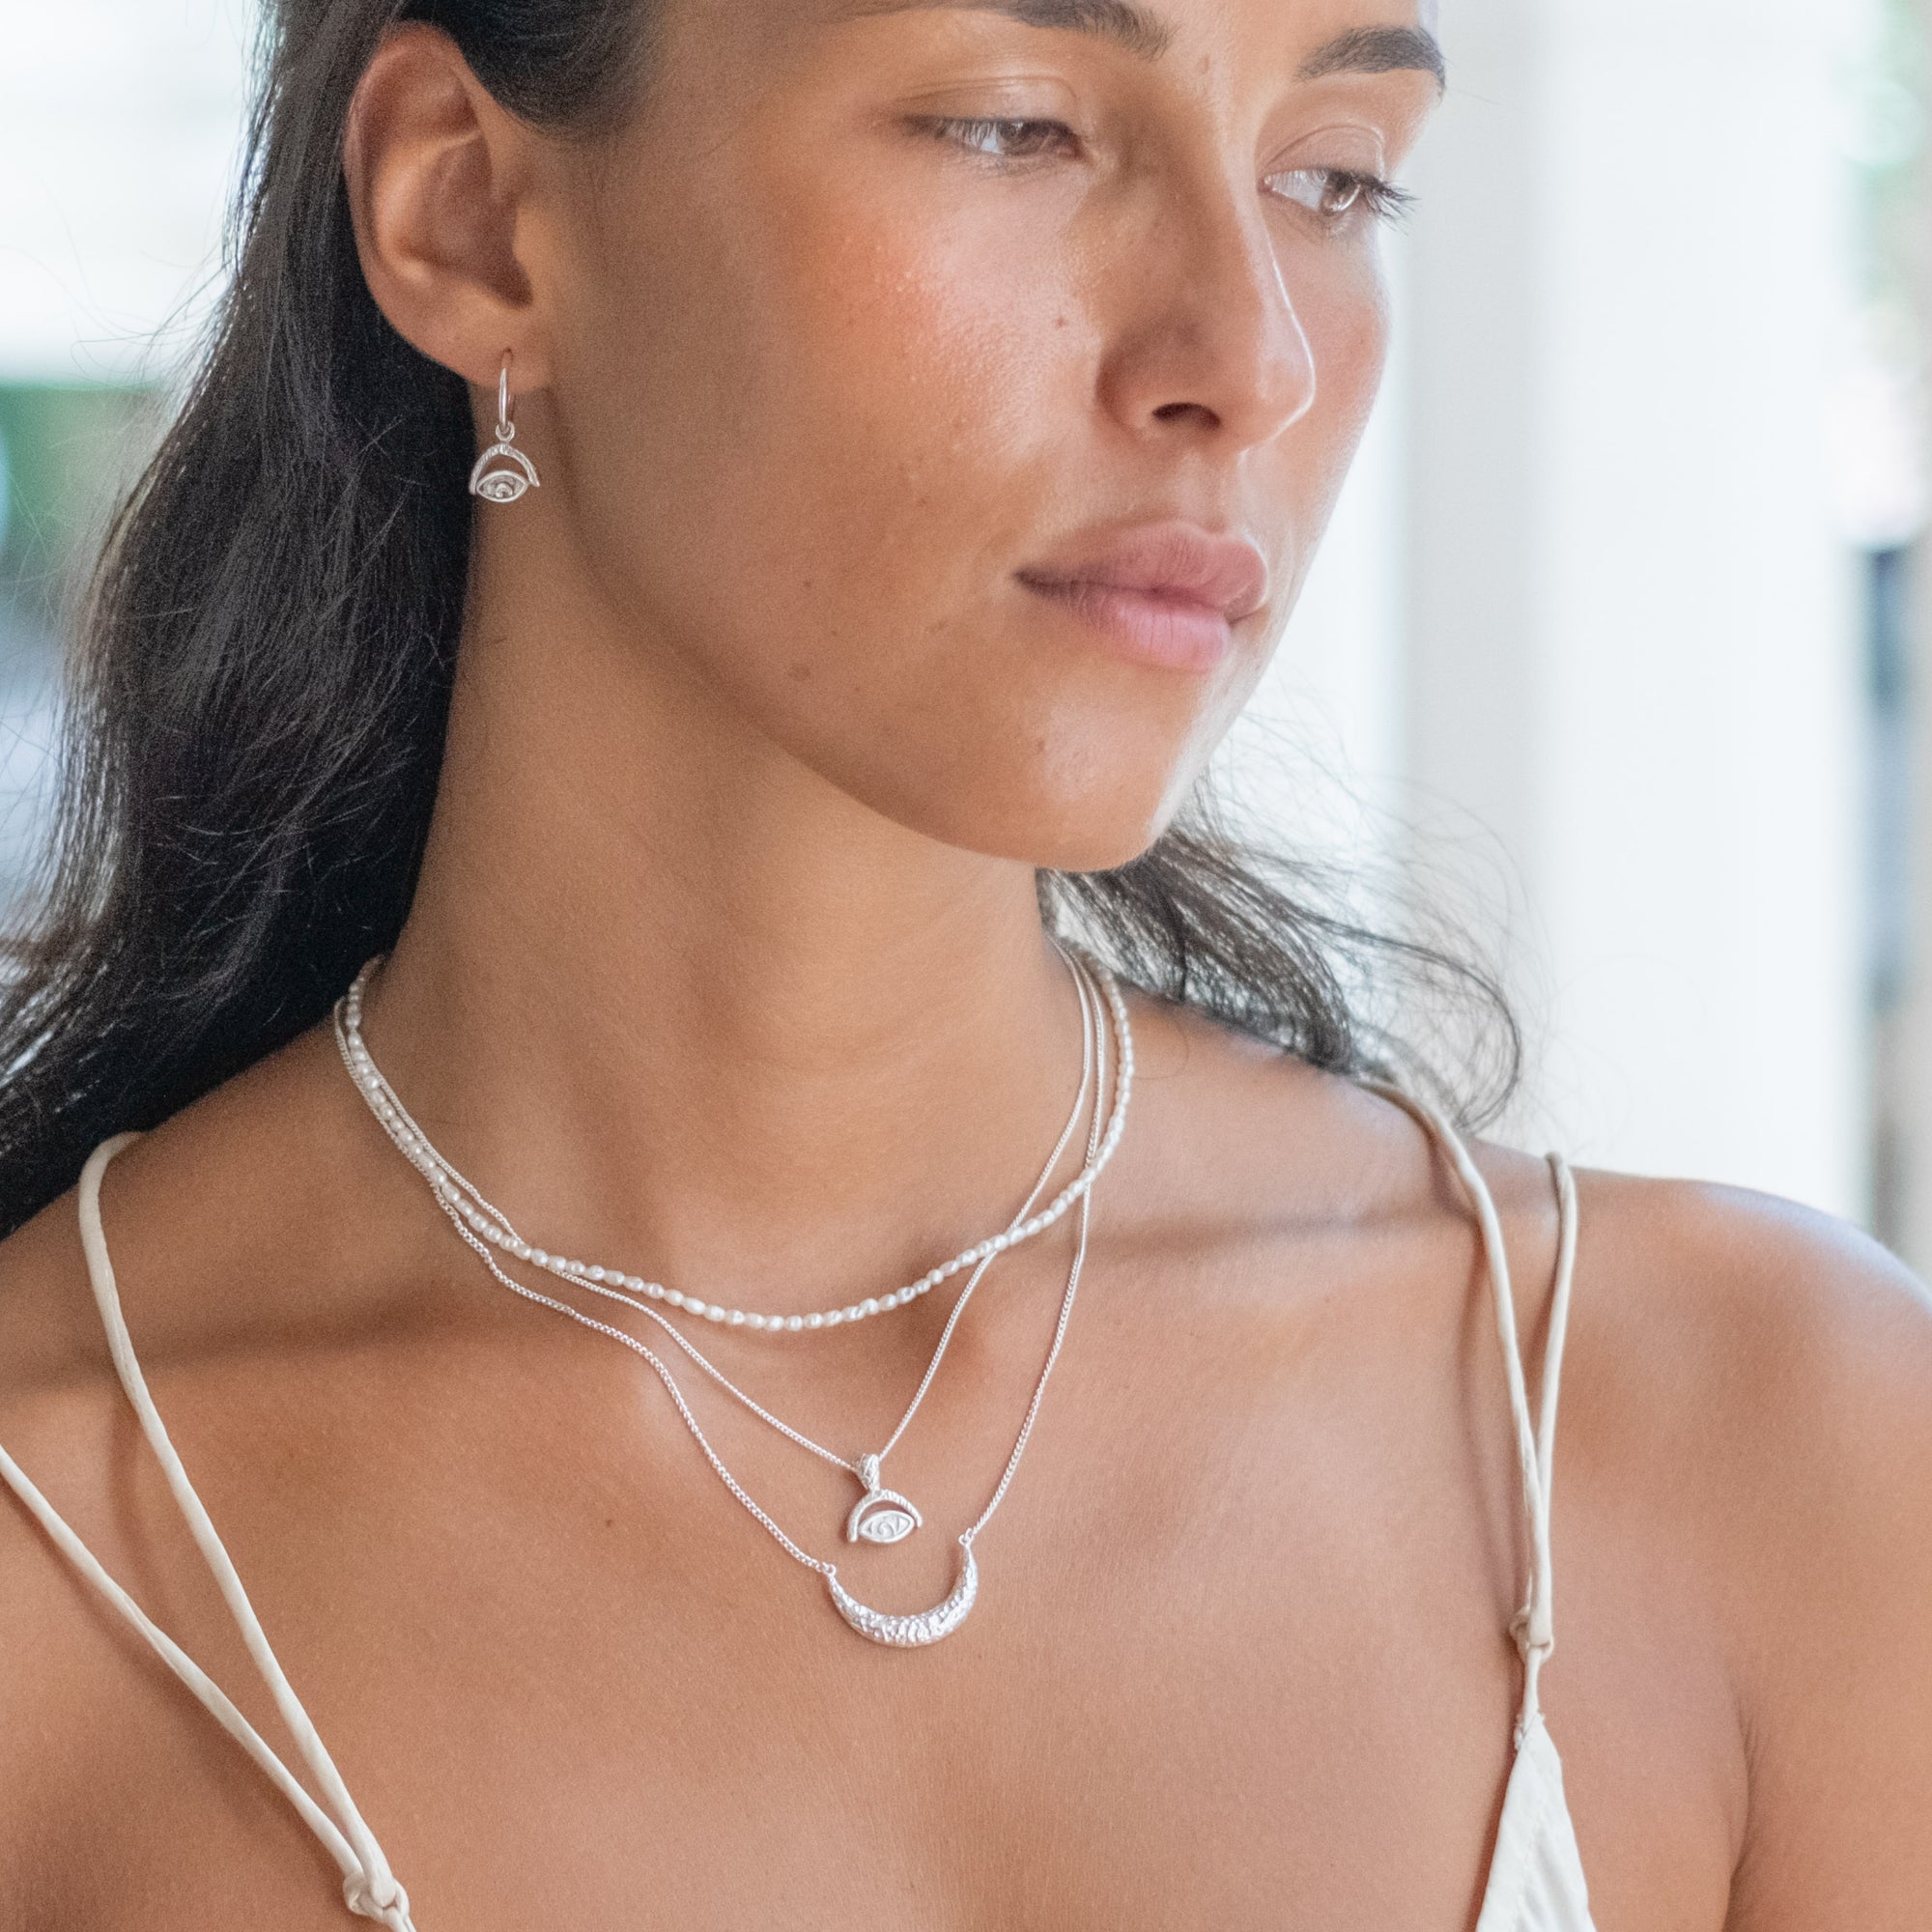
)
(1208, 341)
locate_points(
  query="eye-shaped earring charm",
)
(504, 472)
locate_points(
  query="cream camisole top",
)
(1535, 1880)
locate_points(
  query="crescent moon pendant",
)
(913, 1632)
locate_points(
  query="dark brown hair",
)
(261, 677)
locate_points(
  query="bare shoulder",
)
(58, 1427)
(1765, 1361)
(1751, 1383)
(1761, 1347)
(1789, 1273)
(1785, 1353)
(189, 1212)
(56, 1380)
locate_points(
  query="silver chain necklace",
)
(881, 1514)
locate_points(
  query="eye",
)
(999, 140)
(882, 1516)
(1338, 195)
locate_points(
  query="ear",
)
(438, 174)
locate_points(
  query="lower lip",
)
(1173, 633)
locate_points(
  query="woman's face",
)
(960, 391)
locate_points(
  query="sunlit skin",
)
(726, 961)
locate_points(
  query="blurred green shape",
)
(67, 453)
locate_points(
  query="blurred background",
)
(1621, 641)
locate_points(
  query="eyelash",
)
(962, 131)
(1370, 194)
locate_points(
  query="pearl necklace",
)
(491, 1225)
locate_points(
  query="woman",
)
(916, 421)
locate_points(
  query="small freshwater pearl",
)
(471, 1210)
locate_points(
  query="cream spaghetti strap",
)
(1536, 1444)
(368, 1885)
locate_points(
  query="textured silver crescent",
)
(502, 485)
(911, 1633)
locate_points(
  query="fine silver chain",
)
(896, 1631)
(1091, 1031)
(490, 1224)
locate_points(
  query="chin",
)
(1093, 830)
(1096, 848)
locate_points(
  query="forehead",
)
(729, 52)
(1373, 38)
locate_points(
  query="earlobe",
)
(435, 169)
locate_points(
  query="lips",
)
(1173, 561)
(1167, 593)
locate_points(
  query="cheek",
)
(1345, 314)
(848, 380)
(825, 406)
(910, 381)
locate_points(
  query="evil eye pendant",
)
(881, 1514)
(503, 472)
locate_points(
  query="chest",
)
(1276, 1689)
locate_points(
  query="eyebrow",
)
(1379, 50)
(1125, 23)
(1128, 25)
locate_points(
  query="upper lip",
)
(1173, 560)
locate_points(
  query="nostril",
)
(1172, 412)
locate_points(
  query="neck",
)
(674, 1000)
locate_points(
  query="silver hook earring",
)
(504, 472)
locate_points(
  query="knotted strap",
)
(1532, 1626)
